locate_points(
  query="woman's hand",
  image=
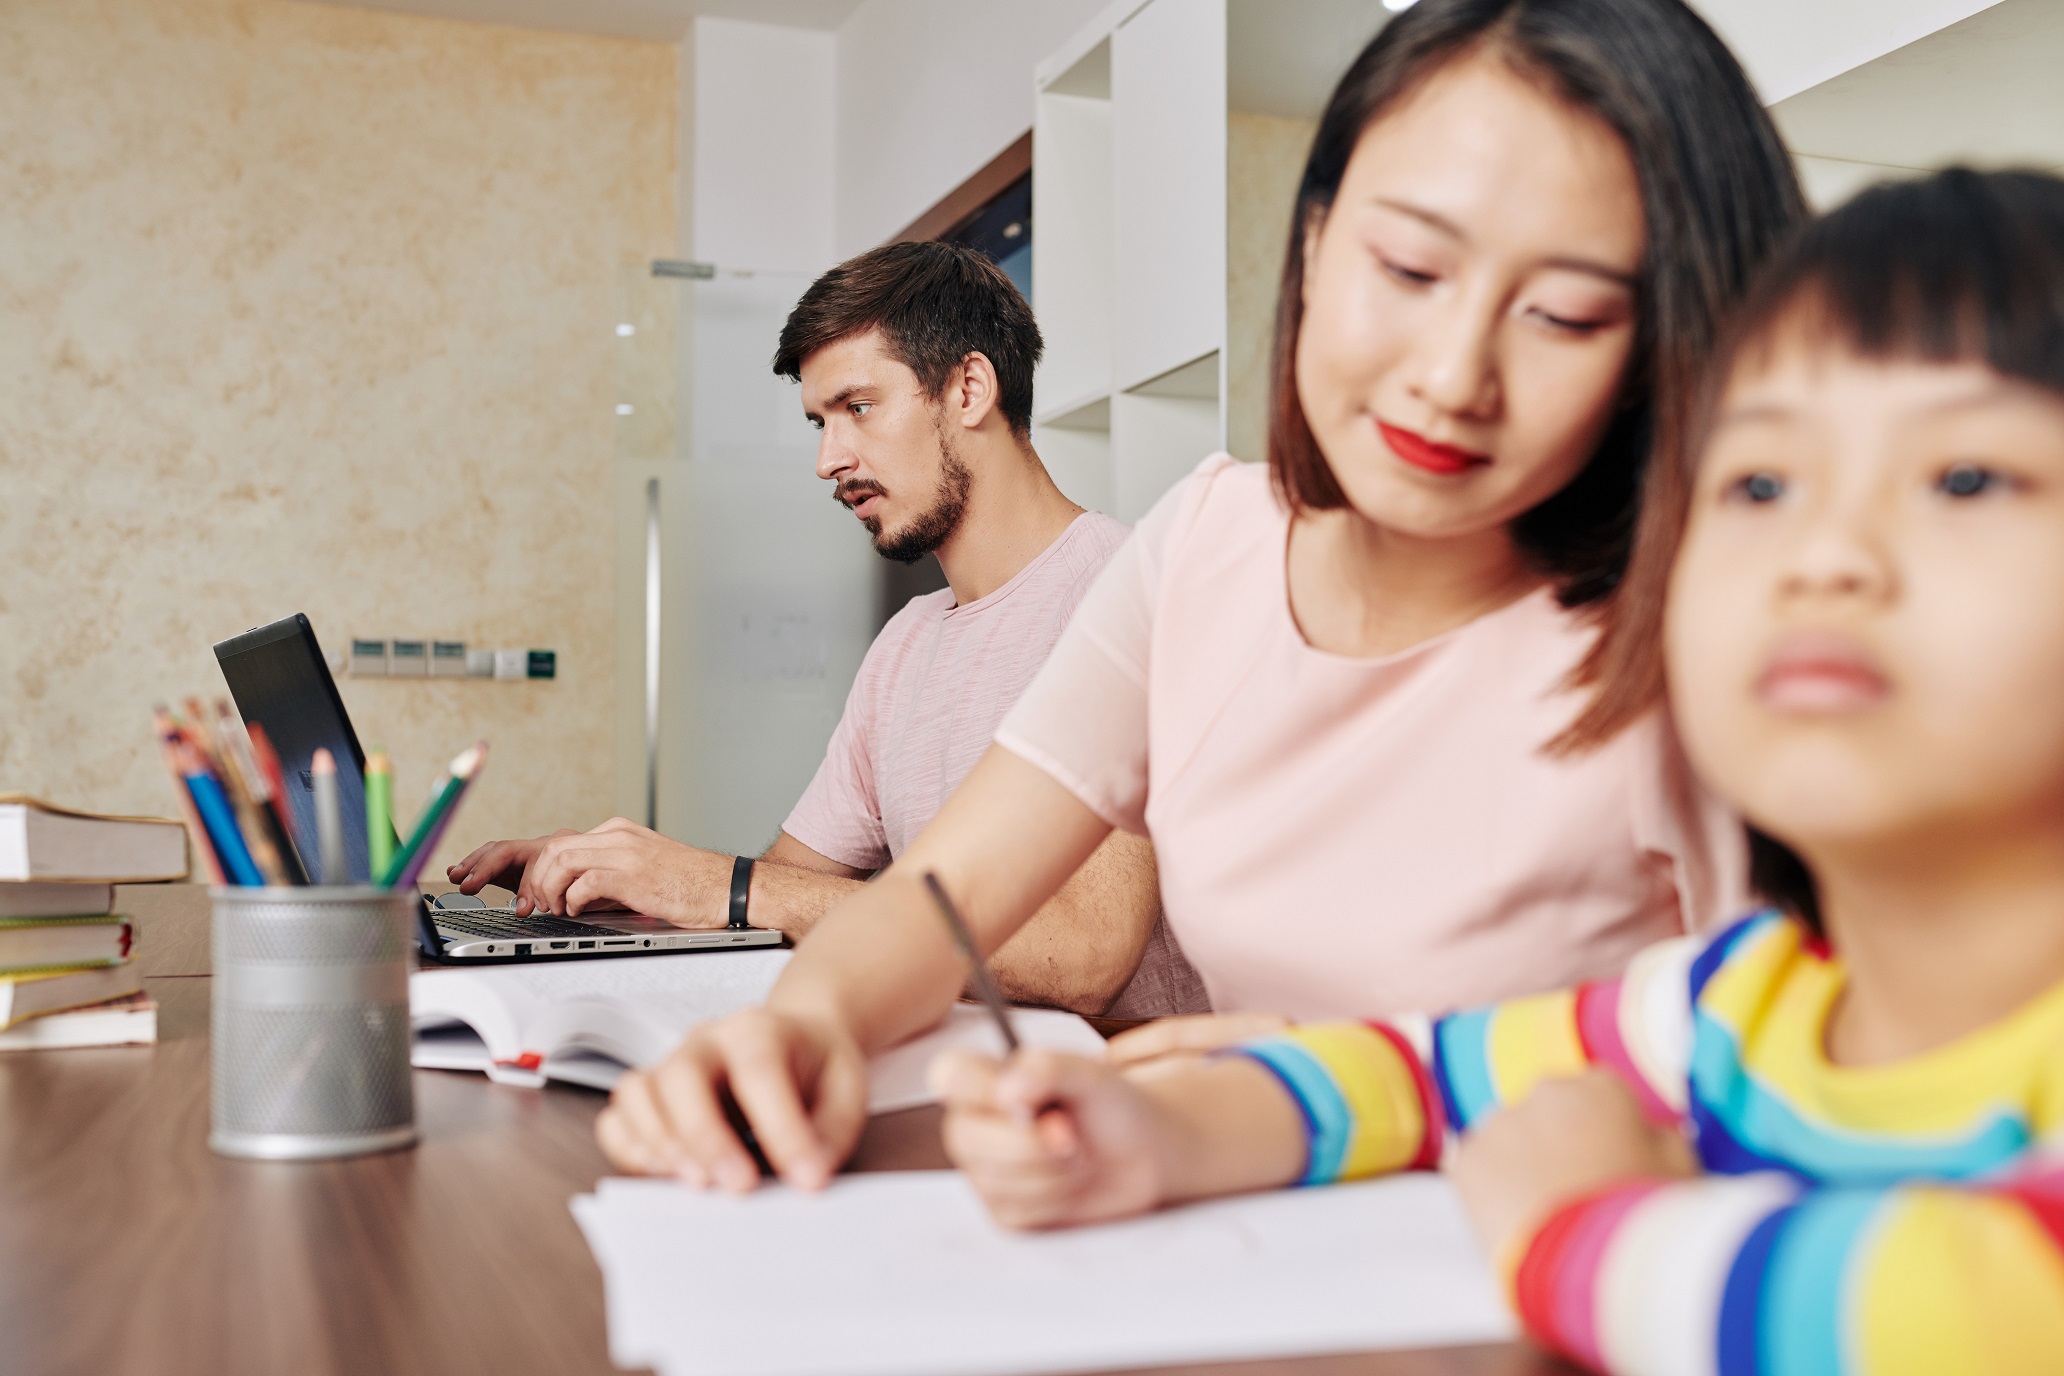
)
(1566, 1139)
(800, 1082)
(1050, 1140)
(1169, 1042)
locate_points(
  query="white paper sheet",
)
(903, 1274)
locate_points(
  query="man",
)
(916, 364)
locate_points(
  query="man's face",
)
(886, 445)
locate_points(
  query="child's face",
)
(1865, 632)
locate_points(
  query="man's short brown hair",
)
(934, 304)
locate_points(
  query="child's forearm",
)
(1931, 1277)
(1227, 1126)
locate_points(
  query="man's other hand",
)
(621, 865)
(500, 863)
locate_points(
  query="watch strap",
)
(741, 890)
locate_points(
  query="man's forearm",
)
(789, 898)
(1081, 949)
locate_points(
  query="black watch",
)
(741, 891)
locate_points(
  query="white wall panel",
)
(763, 149)
(1168, 139)
(927, 92)
(1155, 440)
(770, 586)
(1071, 247)
(1788, 46)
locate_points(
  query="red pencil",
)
(268, 762)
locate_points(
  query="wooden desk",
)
(126, 1246)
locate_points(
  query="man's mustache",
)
(857, 490)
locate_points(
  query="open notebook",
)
(583, 1022)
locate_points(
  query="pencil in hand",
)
(985, 983)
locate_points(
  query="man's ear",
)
(973, 392)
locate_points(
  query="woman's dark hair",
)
(1717, 189)
(1962, 266)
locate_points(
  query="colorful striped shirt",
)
(1894, 1218)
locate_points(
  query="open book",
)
(584, 1021)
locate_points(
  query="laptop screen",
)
(281, 682)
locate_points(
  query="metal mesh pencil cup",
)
(311, 1022)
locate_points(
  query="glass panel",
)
(768, 587)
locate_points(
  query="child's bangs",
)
(1960, 267)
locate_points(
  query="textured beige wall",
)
(310, 309)
(1264, 159)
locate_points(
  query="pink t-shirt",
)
(929, 694)
(1343, 837)
(924, 707)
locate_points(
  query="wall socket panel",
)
(400, 658)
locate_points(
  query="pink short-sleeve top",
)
(1343, 837)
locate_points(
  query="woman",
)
(1329, 692)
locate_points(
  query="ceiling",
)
(1985, 90)
(664, 20)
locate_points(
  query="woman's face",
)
(1864, 636)
(1470, 302)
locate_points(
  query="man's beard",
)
(929, 529)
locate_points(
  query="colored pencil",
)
(239, 779)
(329, 819)
(278, 816)
(219, 817)
(196, 830)
(409, 863)
(379, 813)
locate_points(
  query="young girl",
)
(1325, 688)
(1864, 642)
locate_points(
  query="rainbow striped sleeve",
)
(1638, 1026)
(1362, 1089)
(1759, 1275)
(1380, 1097)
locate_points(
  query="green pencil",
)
(379, 813)
(430, 826)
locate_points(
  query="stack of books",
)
(68, 973)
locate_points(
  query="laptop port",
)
(625, 941)
(522, 948)
(558, 945)
(585, 945)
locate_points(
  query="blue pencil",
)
(213, 805)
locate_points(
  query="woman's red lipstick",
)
(1421, 452)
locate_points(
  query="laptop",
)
(280, 680)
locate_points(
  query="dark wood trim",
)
(972, 194)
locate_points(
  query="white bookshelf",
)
(1168, 141)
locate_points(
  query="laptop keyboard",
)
(490, 923)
